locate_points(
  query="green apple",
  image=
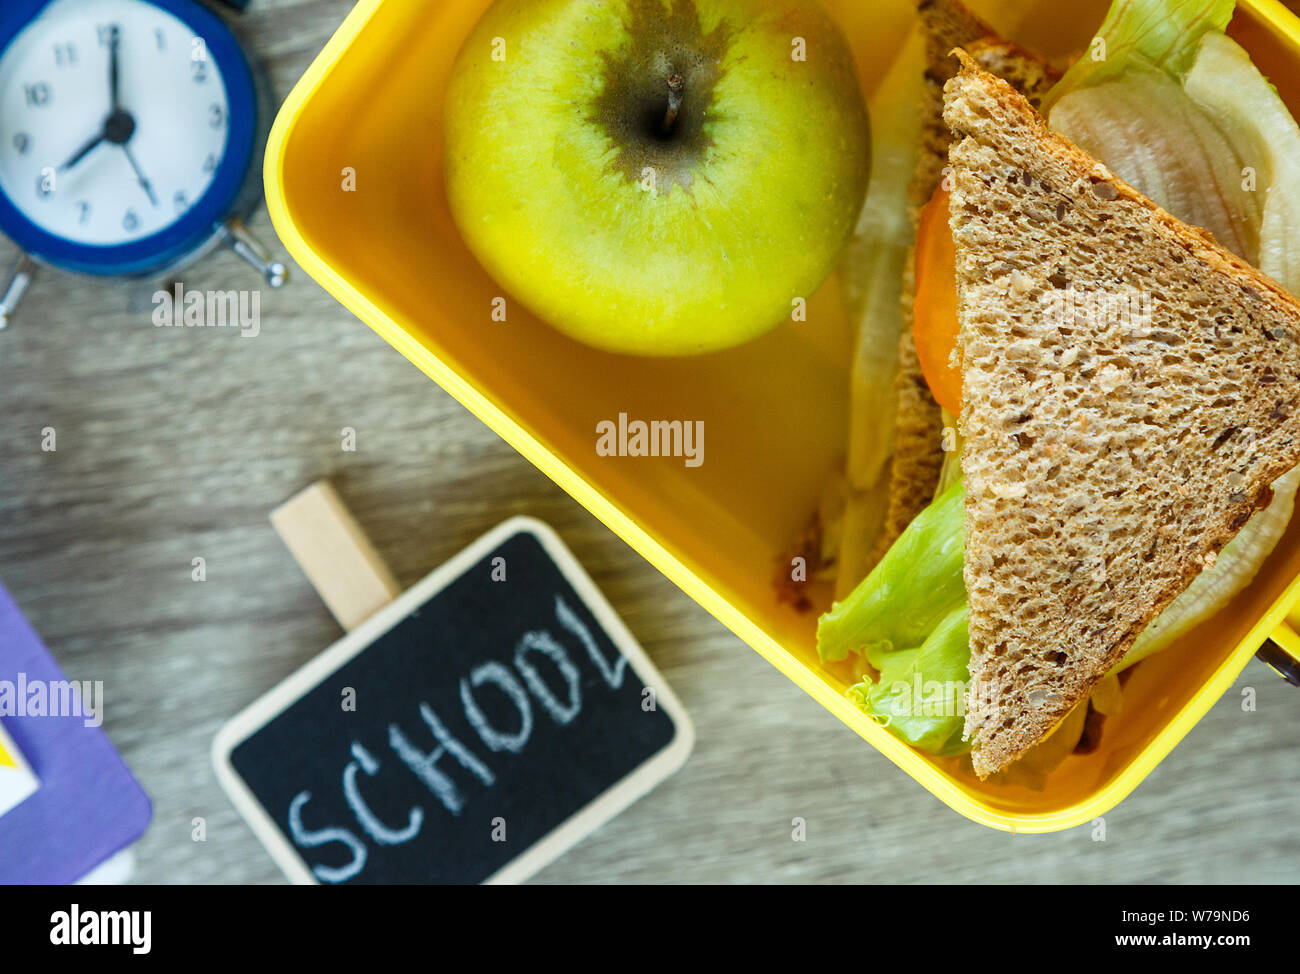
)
(659, 177)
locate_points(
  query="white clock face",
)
(90, 171)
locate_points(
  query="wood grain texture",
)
(176, 444)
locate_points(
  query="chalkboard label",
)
(471, 731)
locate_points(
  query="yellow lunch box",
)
(369, 112)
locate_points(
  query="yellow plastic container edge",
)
(1272, 624)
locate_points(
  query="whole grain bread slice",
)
(1131, 390)
(918, 451)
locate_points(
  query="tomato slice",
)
(935, 322)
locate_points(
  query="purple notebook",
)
(86, 807)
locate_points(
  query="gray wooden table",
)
(175, 444)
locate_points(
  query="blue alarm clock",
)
(130, 132)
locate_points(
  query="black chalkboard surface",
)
(471, 731)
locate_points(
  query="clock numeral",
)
(130, 221)
(38, 95)
(83, 210)
(161, 39)
(216, 116)
(181, 201)
(105, 32)
(65, 55)
(199, 60)
(22, 142)
(210, 163)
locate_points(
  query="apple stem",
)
(676, 86)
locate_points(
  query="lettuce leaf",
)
(921, 693)
(915, 587)
(1159, 33)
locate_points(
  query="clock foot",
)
(19, 277)
(238, 239)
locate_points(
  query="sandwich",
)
(1103, 304)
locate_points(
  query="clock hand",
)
(118, 128)
(114, 42)
(84, 151)
(119, 125)
(139, 174)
